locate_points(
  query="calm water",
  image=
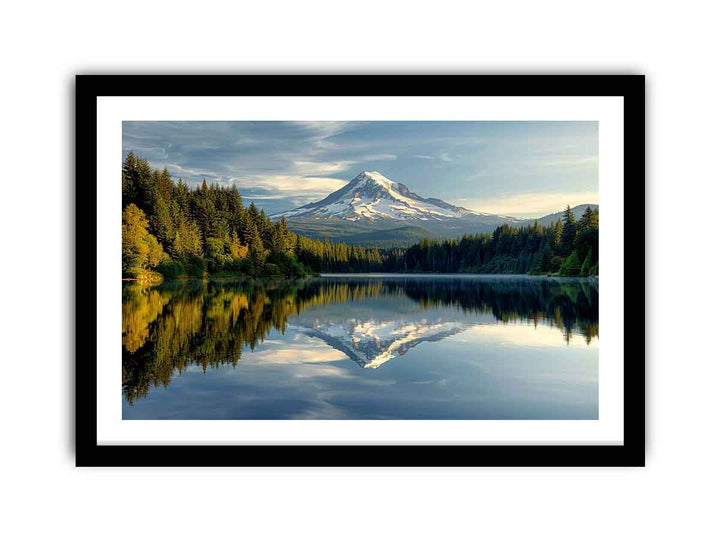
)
(362, 347)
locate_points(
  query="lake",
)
(362, 347)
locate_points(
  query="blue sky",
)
(525, 169)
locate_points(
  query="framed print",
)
(360, 270)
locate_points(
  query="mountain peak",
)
(372, 177)
(372, 197)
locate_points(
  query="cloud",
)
(303, 168)
(380, 157)
(321, 130)
(530, 204)
(290, 184)
(442, 157)
(288, 164)
(180, 171)
(288, 191)
(306, 354)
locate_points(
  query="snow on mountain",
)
(370, 196)
(371, 343)
(372, 210)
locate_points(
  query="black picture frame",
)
(89, 453)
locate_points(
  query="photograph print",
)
(360, 270)
(299, 279)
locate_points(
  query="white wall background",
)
(45, 43)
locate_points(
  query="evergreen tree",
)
(589, 220)
(588, 235)
(571, 265)
(586, 265)
(569, 232)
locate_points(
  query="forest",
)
(172, 231)
(567, 248)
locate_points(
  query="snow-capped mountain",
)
(372, 342)
(371, 208)
(371, 196)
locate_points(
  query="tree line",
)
(171, 230)
(569, 247)
(174, 231)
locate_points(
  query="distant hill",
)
(389, 238)
(577, 210)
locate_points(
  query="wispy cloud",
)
(303, 168)
(442, 157)
(380, 157)
(307, 354)
(286, 164)
(529, 204)
(290, 183)
(190, 172)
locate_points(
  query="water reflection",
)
(170, 329)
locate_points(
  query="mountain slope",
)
(370, 196)
(389, 238)
(372, 203)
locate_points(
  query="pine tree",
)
(569, 232)
(586, 265)
(589, 220)
(588, 235)
(571, 266)
(255, 243)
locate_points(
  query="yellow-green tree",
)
(140, 250)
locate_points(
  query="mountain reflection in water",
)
(169, 329)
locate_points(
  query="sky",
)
(523, 169)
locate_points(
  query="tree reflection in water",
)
(177, 324)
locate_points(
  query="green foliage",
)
(171, 269)
(586, 265)
(569, 232)
(241, 267)
(270, 270)
(207, 229)
(571, 265)
(588, 235)
(286, 265)
(216, 254)
(508, 250)
(140, 250)
(195, 266)
(555, 264)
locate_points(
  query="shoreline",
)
(386, 275)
